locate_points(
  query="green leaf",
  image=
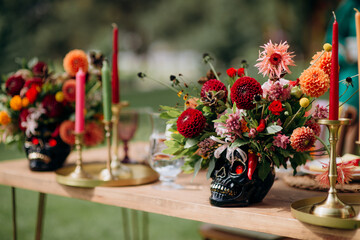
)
(164, 115)
(173, 113)
(284, 152)
(197, 167)
(190, 142)
(239, 142)
(172, 143)
(170, 150)
(273, 129)
(264, 170)
(276, 160)
(288, 108)
(178, 137)
(211, 168)
(166, 108)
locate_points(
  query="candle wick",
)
(334, 15)
(114, 25)
(356, 10)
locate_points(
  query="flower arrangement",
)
(35, 96)
(238, 118)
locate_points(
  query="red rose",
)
(32, 93)
(231, 72)
(241, 72)
(276, 107)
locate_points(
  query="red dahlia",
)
(39, 69)
(213, 85)
(190, 123)
(14, 84)
(53, 108)
(243, 92)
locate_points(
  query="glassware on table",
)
(166, 165)
(128, 123)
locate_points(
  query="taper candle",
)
(334, 76)
(357, 23)
(115, 73)
(80, 101)
(105, 75)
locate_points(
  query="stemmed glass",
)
(166, 165)
(128, 123)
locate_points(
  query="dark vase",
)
(231, 186)
(44, 152)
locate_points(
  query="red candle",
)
(114, 75)
(334, 76)
(80, 101)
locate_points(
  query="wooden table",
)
(271, 216)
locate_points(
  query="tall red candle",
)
(334, 76)
(114, 76)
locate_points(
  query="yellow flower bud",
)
(304, 102)
(4, 118)
(15, 103)
(25, 102)
(59, 96)
(327, 47)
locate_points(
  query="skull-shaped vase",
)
(231, 186)
(45, 150)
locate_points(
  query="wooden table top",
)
(271, 216)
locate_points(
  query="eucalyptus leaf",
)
(197, 167)
(173, 113)
(276, 160)
(211, 168)
(239, 142)
(190, 142)
(273, 129)
(264, 169)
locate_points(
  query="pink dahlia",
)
(302, 139)
(277, 90)
(243, 92)
(275, 59)
(281, 141)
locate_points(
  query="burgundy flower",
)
(190, 123)
(14, 84)
(241, 72)
(40, 69)
(53, 108)
(22, 117)
(243, 92)
(213, 85)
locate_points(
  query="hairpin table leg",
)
(13, 203)
(40, 216)
(135, 225)
(145, 221)
(125, 220)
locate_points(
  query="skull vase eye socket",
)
(44, 151)
(231, 186)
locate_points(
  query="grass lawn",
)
(77, 219)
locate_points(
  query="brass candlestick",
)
(106, 174)
(118, 169)
(79, 172)
(332, 206)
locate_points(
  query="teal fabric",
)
(345, 15)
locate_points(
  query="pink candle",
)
(80, 101)
(334, 76)
(114, 75)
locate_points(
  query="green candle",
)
(106, 91)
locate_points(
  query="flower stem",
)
(213, 69)
(347, 87)
(323, 143)
(322, 53)
(292, 119)
(356, 75)
(349, 97)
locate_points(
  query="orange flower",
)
(324, 62)
(244, 127)
(314, 82)
(302, 139)
(191, 103)
(75, 60)
(16, 103)
(25, 102)
(94, 134)
(4, 118)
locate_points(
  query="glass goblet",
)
(128, 123)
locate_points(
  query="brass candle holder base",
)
(332, 206)
(118, 170)
(79, 172)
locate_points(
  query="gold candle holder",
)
(106, 174)
(332, 206)
(118, 169)
(79, 172)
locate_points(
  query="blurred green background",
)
(159, 37)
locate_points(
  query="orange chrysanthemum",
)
(314, 82)
(302, 139)
(75, 60)
(4, 118)
(15, 103)
(324, 62)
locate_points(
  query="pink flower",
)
(233, 123)
(275, 59)
(277, 90)
(281, 141)
(252, 133)
(320, 112)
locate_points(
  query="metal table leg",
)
(40, 216)
(13, 204)
(145, 221)
(125, 223)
